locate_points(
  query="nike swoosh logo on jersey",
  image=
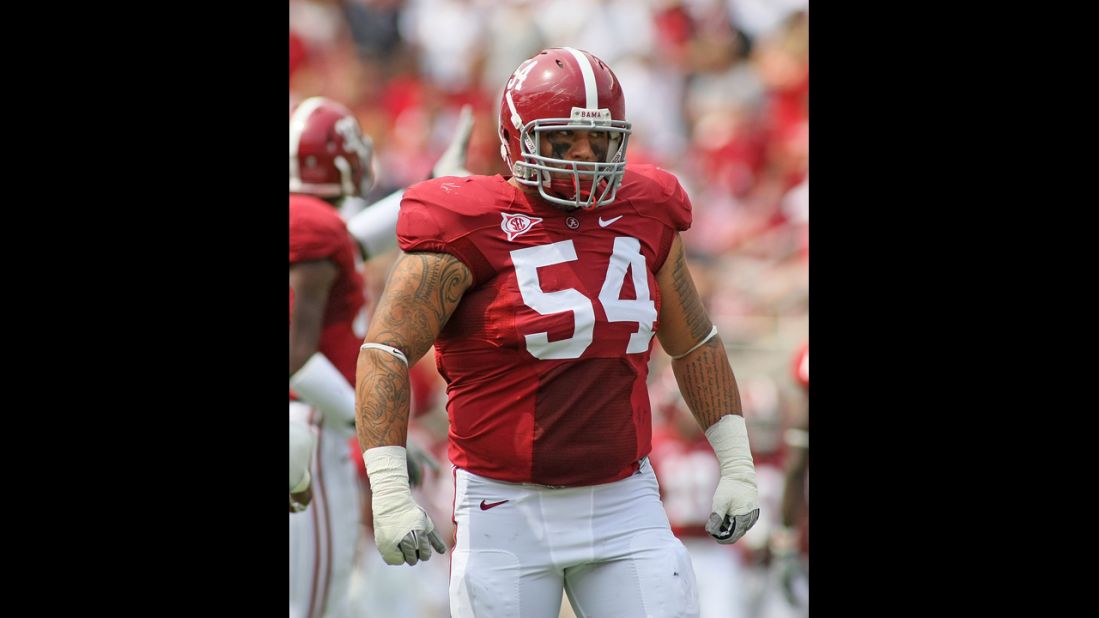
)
(486, 506)
(603, 223)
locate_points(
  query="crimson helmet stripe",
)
(590, 91)
(297, 127)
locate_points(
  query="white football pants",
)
(323, 537)
(609, 546)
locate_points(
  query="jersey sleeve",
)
(661, 197)
(675, 199)
(431, 220)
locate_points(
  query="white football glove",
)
(736, 503)
(402, 530)
(453, 160)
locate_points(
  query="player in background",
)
(330, 163)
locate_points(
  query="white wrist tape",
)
(322, 386)
(375, 227)
(387, 467)
(729, 437)
(301, 455)
(385, 348)
(402, 530)
(698, 345)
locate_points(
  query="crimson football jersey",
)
(318, 233)
(546, 355)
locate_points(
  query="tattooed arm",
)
(420, 295)
(705, 378)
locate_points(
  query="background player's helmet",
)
(555, 90)
(329, 155)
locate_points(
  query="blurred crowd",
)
(717, 91)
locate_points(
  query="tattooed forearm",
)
(421, 293)
(382, 400)
(706, 380)
(704, 376)
(698, 323)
